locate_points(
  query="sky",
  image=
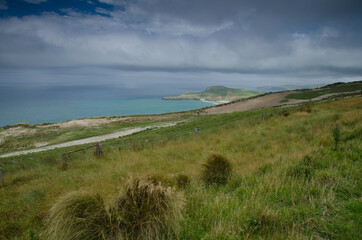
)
(158, 45)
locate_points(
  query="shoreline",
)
(109, 118)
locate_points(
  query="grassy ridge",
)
(332, 88)
(217, 93)
(288, 181)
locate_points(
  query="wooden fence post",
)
(1, 178)
(195, 131)
(263, 117)
(99, 149)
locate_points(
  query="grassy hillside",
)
(217, 93)
(296, 175)
(329, 89)
(26, 136)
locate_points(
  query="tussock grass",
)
(182, 181)
(216, 170)
(144, 210)
(147, 210)
(79, 215)
(305, 107)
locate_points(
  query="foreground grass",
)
(288, 182)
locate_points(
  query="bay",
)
(35, 111)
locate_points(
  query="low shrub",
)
(182, 181)
(285, 113)
(217, 170)
(147, 210)
(306, 107)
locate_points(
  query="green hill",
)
(295, 175)
(331, 89)
(217, 93)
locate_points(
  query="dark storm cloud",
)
(256, 40)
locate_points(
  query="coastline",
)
(22, 114)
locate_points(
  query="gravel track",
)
(95, 139)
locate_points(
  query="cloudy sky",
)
(182, 44)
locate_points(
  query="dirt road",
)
(118, 134)
(269, 100)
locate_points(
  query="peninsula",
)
(217, 93)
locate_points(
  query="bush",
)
(306, 107)
(79, 215)
(285, 113)
(182, 181)
(217, 170)
(148, 210)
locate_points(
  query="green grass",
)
(55, 134)
(288, 182)
(333, 88)
(219, 93)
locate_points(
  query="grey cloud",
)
(245, 40)
(84, 40)
(35, 1)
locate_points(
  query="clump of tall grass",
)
(63, 166)
(182, 181)
(217, 170)
(285, 113)
(161, 179)
(307, 166)
(306, 107)
(79, 215)
(147, 210)
(336, 133)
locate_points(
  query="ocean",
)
(50, 105)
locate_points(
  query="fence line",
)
(97, 146)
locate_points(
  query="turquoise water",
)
(47, 109)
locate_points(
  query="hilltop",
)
(217, 93)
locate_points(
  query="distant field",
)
(334, 88)
(290, 179)
(217, 93)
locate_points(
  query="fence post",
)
(263, 117)
(195, 131)
(1, 178)
(99, 149)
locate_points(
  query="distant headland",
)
(217, 94)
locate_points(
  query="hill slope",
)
(217, 93)
(290, 179)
